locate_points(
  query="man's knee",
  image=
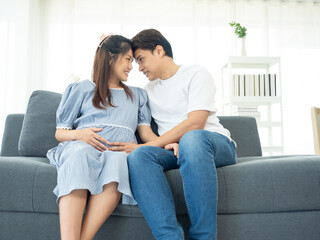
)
(191, 138)
(135, 158)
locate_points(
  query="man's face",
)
(149, 63)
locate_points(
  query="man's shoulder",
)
(191, 73)
(189, 69)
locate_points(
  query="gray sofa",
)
(260, 198)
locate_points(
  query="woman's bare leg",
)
(71, 208)
(99, 208)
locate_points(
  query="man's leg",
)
(152, 191)
(200, 152)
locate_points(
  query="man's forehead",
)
(140, 52)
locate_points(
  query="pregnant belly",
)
(117, 134)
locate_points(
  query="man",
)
(181, 100)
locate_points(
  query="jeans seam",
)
(213, 147)
(185, 194)
(168, 189)
(168, 186)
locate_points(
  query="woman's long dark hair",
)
(107, 54)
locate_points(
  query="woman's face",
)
(122, 67)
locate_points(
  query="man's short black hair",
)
(148, 39)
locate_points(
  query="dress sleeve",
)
(202, 92)
(144, 115)
(69, 107)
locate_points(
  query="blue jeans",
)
(200, 152)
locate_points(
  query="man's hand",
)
(174, 147)
(123, 146)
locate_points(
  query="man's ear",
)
(160, 51)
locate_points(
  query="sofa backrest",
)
(11, 134)
(33, 134)
(244, 132)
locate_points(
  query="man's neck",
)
(169, 69)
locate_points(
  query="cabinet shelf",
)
(272, 149)
(268, 124)
(252, 62)
(252, 101)
(243, 76)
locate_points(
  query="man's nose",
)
(140, 67)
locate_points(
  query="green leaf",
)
(239, 30)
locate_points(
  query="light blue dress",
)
(80, 165)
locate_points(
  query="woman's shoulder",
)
(82, 86)
(86, 84)
(137, 90)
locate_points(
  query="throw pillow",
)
(39, 125)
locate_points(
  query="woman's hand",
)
(123, 146)
(90, 136)
(174, 147)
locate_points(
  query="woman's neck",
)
(114, 86)
(114, 83)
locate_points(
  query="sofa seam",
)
(226, 190)
(33, 183)
(271, 176)
(273, 212)
(315, 167)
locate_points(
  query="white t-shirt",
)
(191, 88)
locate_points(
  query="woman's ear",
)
(110, 58)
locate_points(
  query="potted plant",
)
(241, 33)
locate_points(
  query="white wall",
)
(43, 42)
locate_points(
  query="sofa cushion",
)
(254, 185)
(270, 184)
(39, 124)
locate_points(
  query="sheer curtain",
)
(44, 43)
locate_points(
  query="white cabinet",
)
(251, 86)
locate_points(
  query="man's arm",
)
(195, 120)
(146, 134)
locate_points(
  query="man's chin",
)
(150, 78)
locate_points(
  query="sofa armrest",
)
(11, 135)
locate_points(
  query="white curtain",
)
(43, 43)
